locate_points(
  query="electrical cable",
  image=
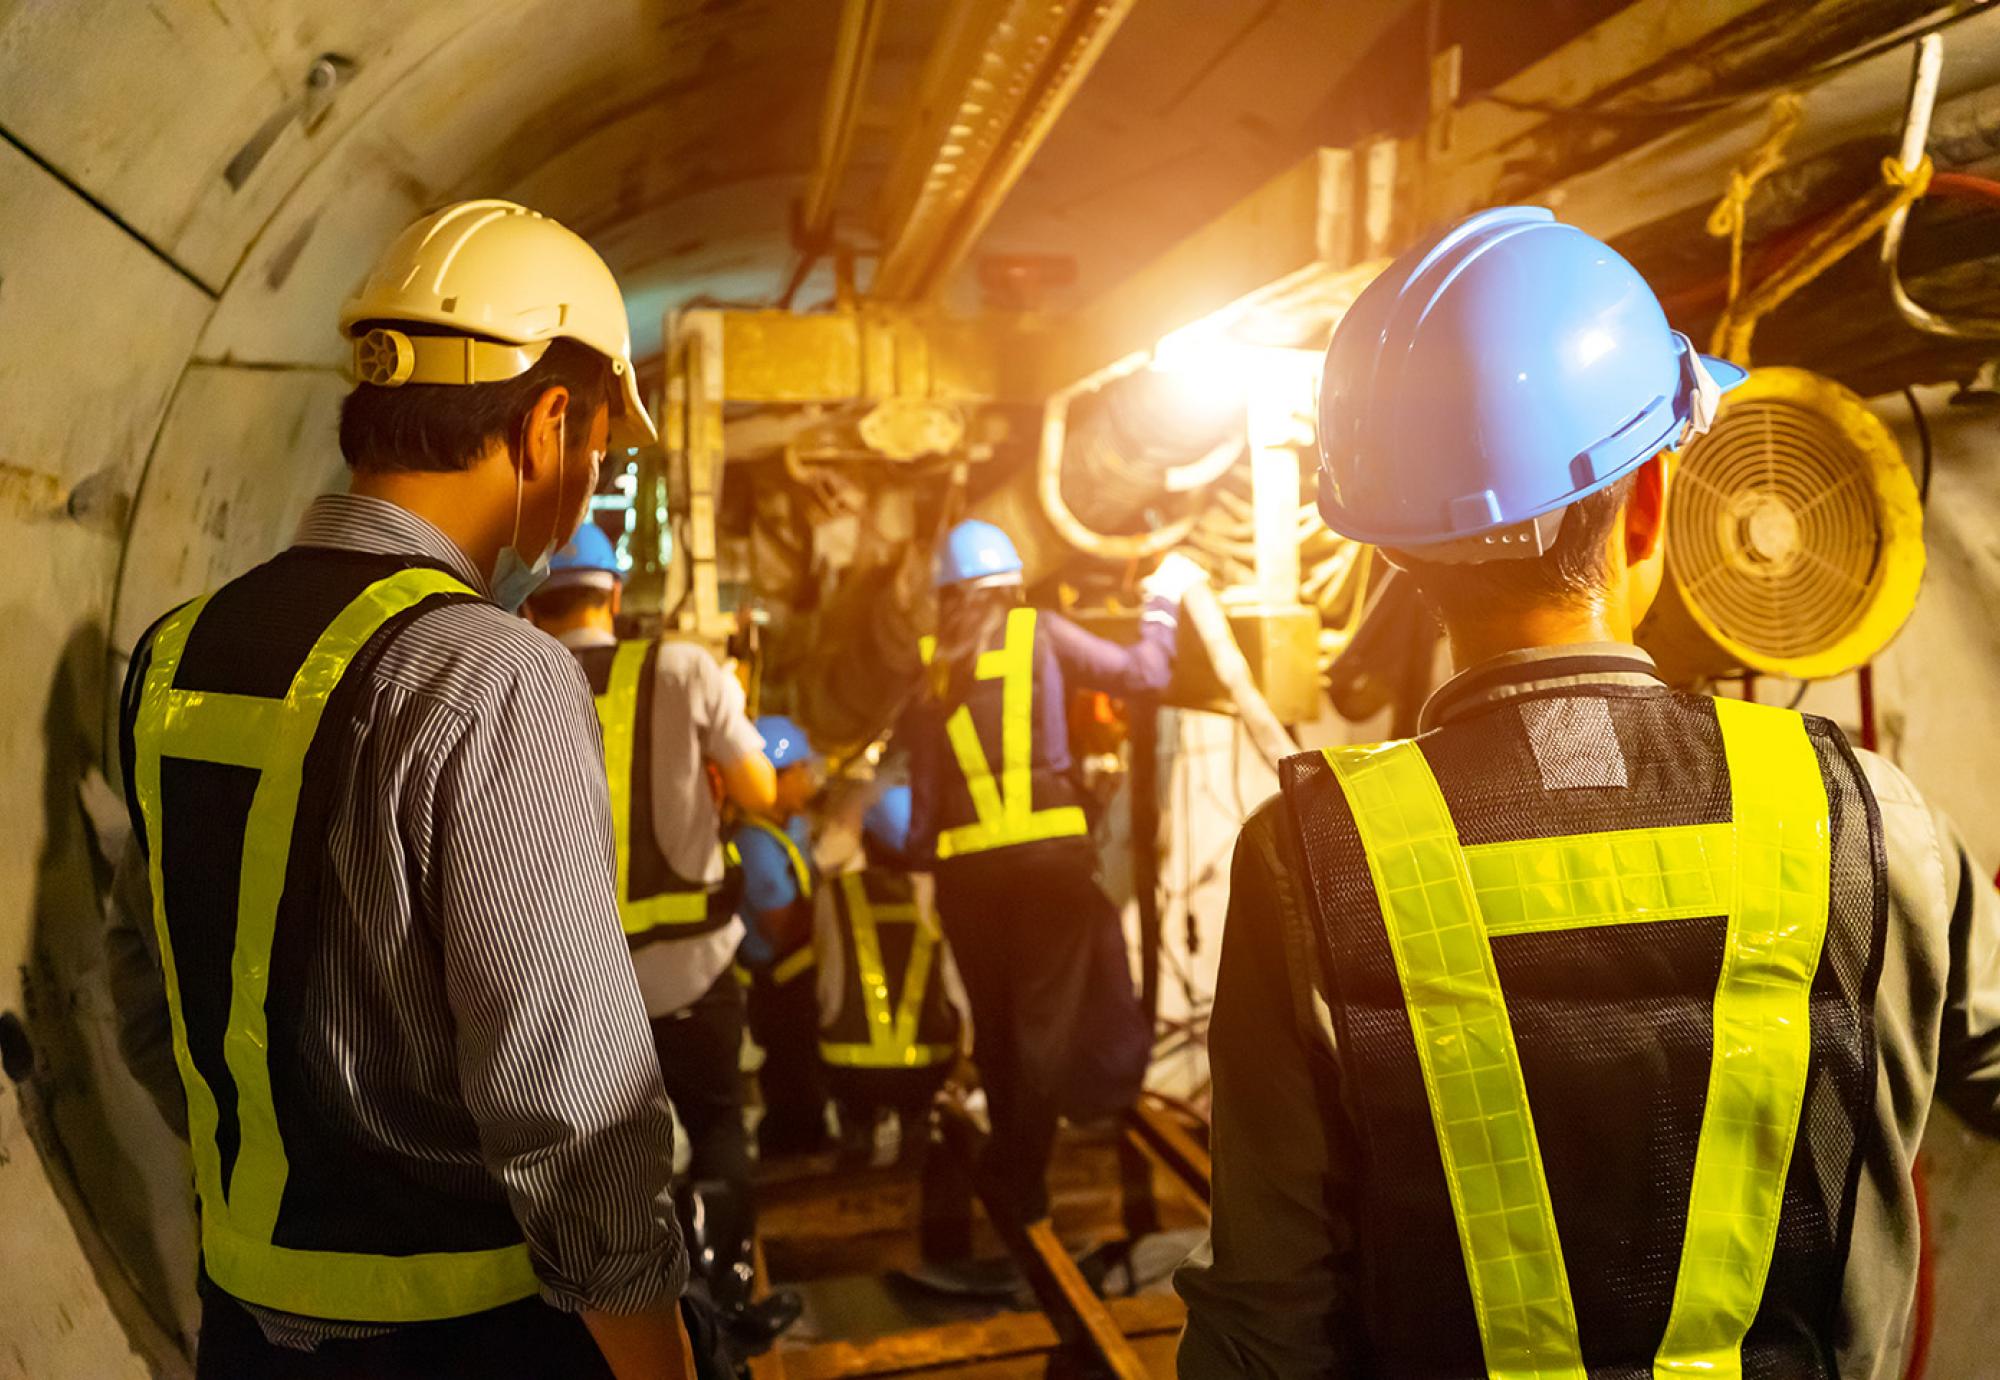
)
(1923, 426)
(1702, 105)
(1799, 696)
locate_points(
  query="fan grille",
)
(1776, 529)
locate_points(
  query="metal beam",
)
(868, 355)
(1001, 74)
(846, 90)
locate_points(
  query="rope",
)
(1731, 213)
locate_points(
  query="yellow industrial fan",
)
(1794, 537)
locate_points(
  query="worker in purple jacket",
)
(1057, 1030)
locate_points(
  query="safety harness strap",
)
(239, 1217)
(1004, 806)
(617, 715)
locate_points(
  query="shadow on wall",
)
(122, 1176)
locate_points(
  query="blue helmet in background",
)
(586, 559)
(1493, 376)
(976, 552)
(887, 822)
(785, 742)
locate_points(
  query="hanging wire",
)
(1923, 425)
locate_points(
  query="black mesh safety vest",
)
(654, 902)
(1004, 791)
(893, 1012)
(241, 732)
(1602, 967)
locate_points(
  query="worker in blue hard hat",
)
(1057, 1029)
(779, 879)
(668, 712)
(888, 1027)
(1592, 1031)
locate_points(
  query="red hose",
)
(1925, 1318)
(1958, 186)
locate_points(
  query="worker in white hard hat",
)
(1591, 1032)
(428, 1128)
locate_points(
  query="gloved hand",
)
(1174, 577)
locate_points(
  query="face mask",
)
(514, 577)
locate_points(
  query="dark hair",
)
(448, 426)
(968, 619)
(1573, 571)
(566, 601)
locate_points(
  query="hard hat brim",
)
(631, 424)
(1725, 374)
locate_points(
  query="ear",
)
(617, 596)
(544, 433)
(1646, 512)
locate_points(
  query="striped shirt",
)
(472, 1013)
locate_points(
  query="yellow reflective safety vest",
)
(238, 737)
(798, 961)
(1003, 793)
(654, 902)
(1603, 1001)
(892, 1012)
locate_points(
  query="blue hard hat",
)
(1497, 373)
(587, 558)
(888, 819)
(976, 550)
(785, 743)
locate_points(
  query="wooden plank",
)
(958, 1344)
(1068, 1299)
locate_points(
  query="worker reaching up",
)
(779, 879)
(428, 1131)
(1056, 1027)
(668, 711)
(1593, 1031)
(889, 1028)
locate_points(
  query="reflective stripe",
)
(617, 715)
(1767, 871)
(272, 736)
(892, 1036)
(1471, 1067)
(1604, 879)
(1763, 1037)
(801, 869)
(793, 964)
(1005, 809)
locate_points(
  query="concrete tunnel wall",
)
(168, 385)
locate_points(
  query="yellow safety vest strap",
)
(272, 737)
(1615, 878)
(1004, 809)
(892, 1036)
(1763, 1037)
(801, 870)
(794, 964)
(617, 716)
(1471, 1066)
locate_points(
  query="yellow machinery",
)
(1795, 543)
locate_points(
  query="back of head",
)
(977, 574)
(469, 316)
(1488, 399)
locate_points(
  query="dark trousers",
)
(528, 1340)
(784, 1021)
(1056, 1027)
(701, 1051)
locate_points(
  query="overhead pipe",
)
(1001, 75)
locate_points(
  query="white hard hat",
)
(491, 271)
